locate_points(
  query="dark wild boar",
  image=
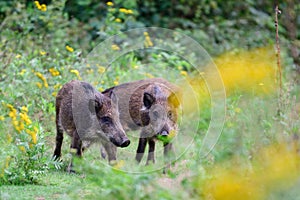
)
(88, 116)
(151, 106)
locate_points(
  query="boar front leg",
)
(150, 158)
(141, 149)
(76, 150)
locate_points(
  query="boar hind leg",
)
(59, 136)
(141, 149)
(76, 149)
(150, 158)
(111, 151)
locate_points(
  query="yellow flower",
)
(54, 94)
(10, 106)
(115, 47)
(237, 110)
(22, 72)
(40, 76)
(148, 42)
(76, 72)
(24, 109)
(13, 114)
(90, 71)
(57, 86)
(183, 73)
(43, 8)
(39, 85)
(261, 84)
(9, 138)
(119, 164)
(135, 67)
(25, 118)
(101, 89)
(54, 72)
(22, 148)
(149, 75)
(110, 3)
(2, 118)
(33, 134)
(18, 56)
(7, 161)
(116, 82)
(118, 20)
(126, 11)
(43, 53)
(101, 69)
(70, 49)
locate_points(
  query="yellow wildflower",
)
(118, 20)
(10, 106)
(39, 85)
(25, 118)
(237, 110)
(22, 148)
(9, 138)
(76, 72)
(13, 114)
(149, 75)
(135, 67)
(54, 94)
(22, 72)
(43, 8)
(110, 3)
(116, 82)
(43, 53)
(18, 56)
(115, 47)
(101, 69)
(57, 86)
(183, 73)
(24, 109)
(7, 161)
(261, 84)
(101, 89)
(119, 164)
(70, 49)
(40, 76)
(54, 72)
(148, 42)
(2, 118)
(90, 71)
(126, 11)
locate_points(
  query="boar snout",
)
(120, 142)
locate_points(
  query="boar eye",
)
(170, 115)
(106, 120)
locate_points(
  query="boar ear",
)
(94, 106)
(113, 97)
(148, 100)
(174, 100)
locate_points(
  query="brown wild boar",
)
(151, 106)
(88, 116)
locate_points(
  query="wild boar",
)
(151, 106)
(88, 116)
